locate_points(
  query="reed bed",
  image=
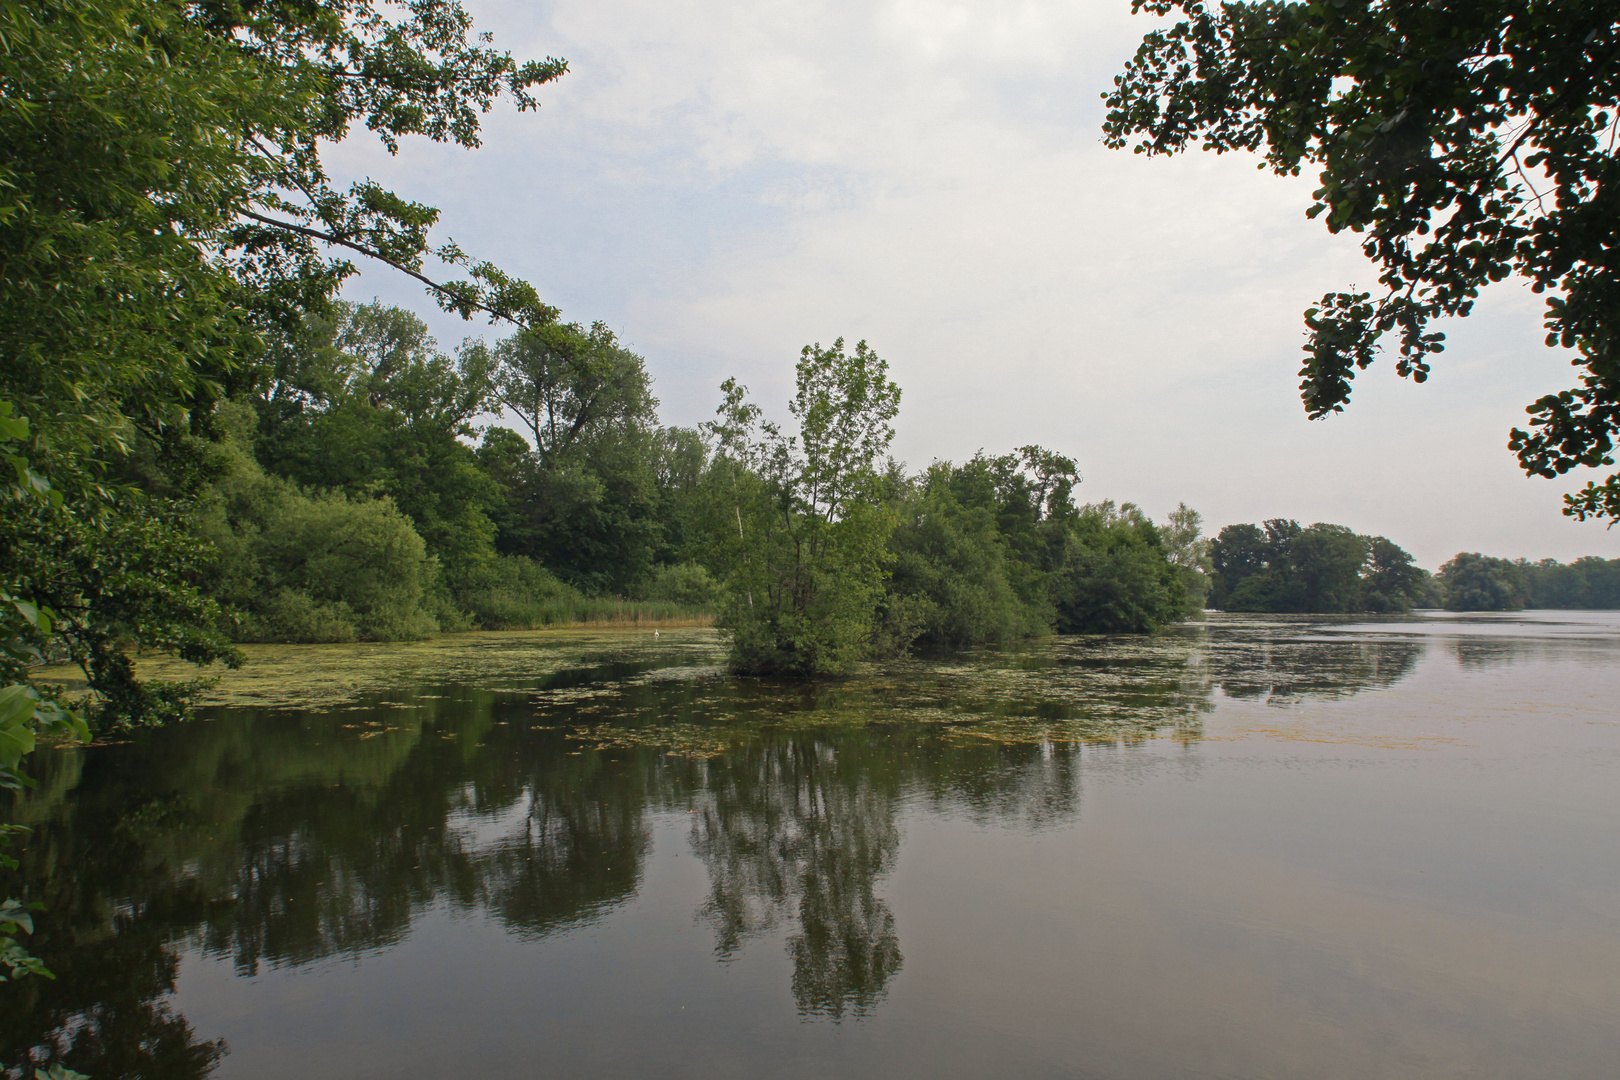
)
(506, 611)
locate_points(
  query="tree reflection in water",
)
(278, 838)
(806, 821)
(1285, 659)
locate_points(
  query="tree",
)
(1031, 494)
(162, 203)
(1469, 141)
(949, 584)
(1114, 576)
(362, 400)
(1585, 583)
(299, 566)
(1475, 582)
(566, 385)
(585, 500)
(1187, 548)
(584, 493)
(1390, 581)
(1323, 568)
(806, 571)
(161, 208)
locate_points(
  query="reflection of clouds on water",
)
(1478, 640)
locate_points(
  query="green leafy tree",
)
(1475, 582)
(1323, 569)
(161, 207)
(566, 385)
(1031, 494)
(1585, 583)
(363, 401)
(1187, 548)
(583, 497)
(680, 467)
(949, 584)
(162, 202)
(1324, 563)
(995, 548)
(326, 566)
(27, 712)
(1115, 576)
(1390, 581)
(806, 571)
(1468, 141)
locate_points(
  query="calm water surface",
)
(1250, 848)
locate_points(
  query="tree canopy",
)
(1468, 141)
(1319, 569)
(163, 210)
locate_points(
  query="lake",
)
(1252, 847)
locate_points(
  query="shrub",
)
(689, 585)
(1475, 582)
(1115, 576)
(300, 566)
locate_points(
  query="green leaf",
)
(17, 704)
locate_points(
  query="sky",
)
(724, 182)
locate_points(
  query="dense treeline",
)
(1327, 569)
(355, 502)
(1321, 569)
(1475, 582)
(353, 495)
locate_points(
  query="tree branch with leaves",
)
(1467, 142)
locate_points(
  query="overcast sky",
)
(723, 182)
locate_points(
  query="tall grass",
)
(501, 610)
(523, 595)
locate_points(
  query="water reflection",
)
(1286, 660)
(276, 837)
(806, 825)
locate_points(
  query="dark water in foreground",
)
(1252, 848)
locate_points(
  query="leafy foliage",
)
(581, 494)
(951, 582)
(315, 567)
(160, 209)
(995, 549)
(1187, 548)
(1469, 141)
(163, 203)
(1475, 582)
(365, 403)
(1585, 583)
(806, 572)
(1320, 569)
(1114, 576)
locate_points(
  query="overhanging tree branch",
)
(459, 298)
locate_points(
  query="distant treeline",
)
(1326, 569)
(351, 495)
(1475, 582)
